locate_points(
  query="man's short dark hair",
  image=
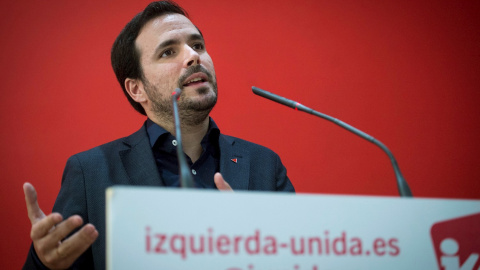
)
(125, 57)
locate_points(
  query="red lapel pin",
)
(234, 160)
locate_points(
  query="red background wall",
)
(406, 72)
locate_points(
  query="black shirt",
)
(164, 150)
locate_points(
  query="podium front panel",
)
(177, 229)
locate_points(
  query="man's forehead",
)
(161, 28)
(172, 18)
(167, 23)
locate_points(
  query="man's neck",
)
(192, 136)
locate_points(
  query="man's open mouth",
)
(194, 81)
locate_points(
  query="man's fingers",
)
(34, 211)
(76, 244)
(61, 231)
(221, 183)
(61, 255)
(42, 227)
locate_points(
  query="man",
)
(158, 51)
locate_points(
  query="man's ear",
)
(136, 90)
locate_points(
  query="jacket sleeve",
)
(33, 262)
(282, 181)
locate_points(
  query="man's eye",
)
(198, 46)
(167, 53)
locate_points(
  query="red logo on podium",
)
(457, 243)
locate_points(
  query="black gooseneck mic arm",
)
(186, 178)
(402, 185)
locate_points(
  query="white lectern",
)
(186, 229)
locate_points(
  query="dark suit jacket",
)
(130, 161)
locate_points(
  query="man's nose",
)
(192, 58)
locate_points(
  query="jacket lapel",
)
(138, 160)
(234, 163)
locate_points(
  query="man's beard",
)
(191, 112)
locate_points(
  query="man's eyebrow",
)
(195, 37)
(166, 43)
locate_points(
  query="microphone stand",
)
(402, 184)
(186, 178)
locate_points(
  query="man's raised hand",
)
(48, 234)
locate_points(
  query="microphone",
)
(402, 184)
(186, 178)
